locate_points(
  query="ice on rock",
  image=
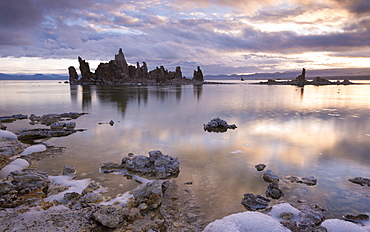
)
(246, 221)
(16, 165)
(278, 209)
(73, 186)
(21, 163)
(33, 149)
(337, 225)
(5, 171)
(7, 135)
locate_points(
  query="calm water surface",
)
(316, 131)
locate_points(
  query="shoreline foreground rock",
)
(119, 72)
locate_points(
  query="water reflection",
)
(317, 131)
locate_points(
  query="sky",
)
(220, 36)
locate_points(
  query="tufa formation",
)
(117, 71)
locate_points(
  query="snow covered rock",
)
(246, 221)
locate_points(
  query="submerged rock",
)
(269, 176)
(309, 180)
(218, 125)
(157, 165)
(255, 202)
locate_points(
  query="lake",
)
(312, 131)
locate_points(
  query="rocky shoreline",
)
(31, 200)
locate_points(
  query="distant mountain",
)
(32, 77)
(348, 73)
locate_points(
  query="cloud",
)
(210, 33)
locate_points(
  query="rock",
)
(346, 82)
(260, 167)
(113, 216)
(71, 198)
(121, 62)
(269, 176)
(117, 71)
(157, 165)
(301, 79)
(69, 170)
(255, 202)
(34, 117)
(57, 125)
(70, 125)
(310, 215)
(356, 218)
(321, 81)
(361, 181)
(23, 187)
(12, 118)
(2, 126)
(218, 125)
(86, 74)
(150, 193)
(287, 216)
(198, 75)
(291, 225)
(32, 134)
(30, 180)
(309, 180)
(73, 76)
(49, 119)
(273, 191)
(271, 82)
(9, 148)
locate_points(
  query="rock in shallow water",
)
(260, 167)
(32, 134)
(157, 165)
(360, 180)
(273, 191)
(255, 202)
(269, 176)
(308, 180)
(218, 125)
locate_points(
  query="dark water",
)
(316, 131)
